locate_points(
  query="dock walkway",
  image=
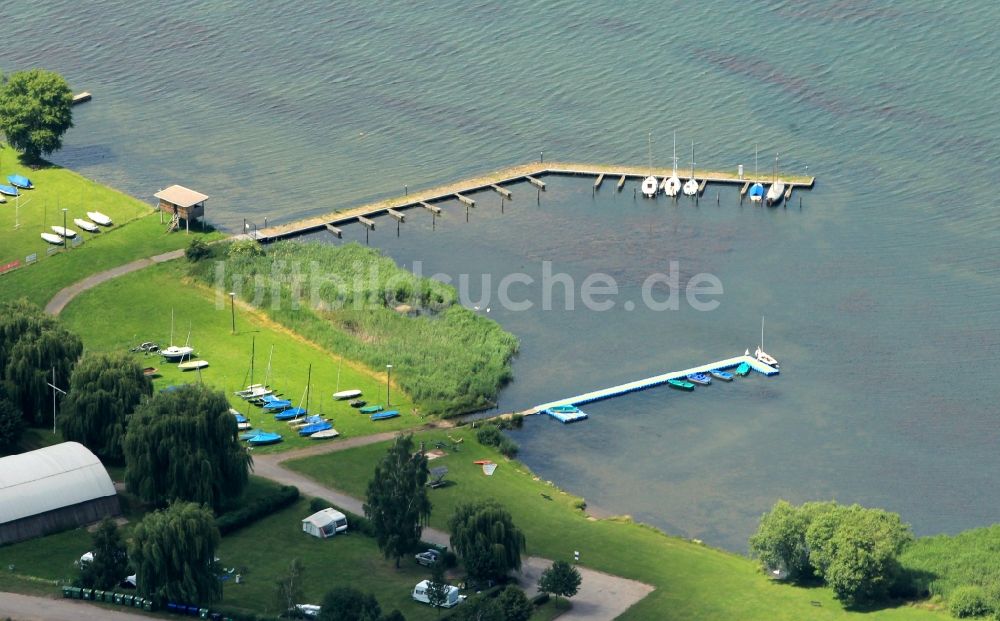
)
(658, 380)
(493, 182)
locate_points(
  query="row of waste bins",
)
(110, 597)
(134, 601)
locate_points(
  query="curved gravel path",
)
(61, 299)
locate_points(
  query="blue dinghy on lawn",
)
(289, 414)
(385, 415)
(308, 430)
(264, 437)
(9, 190)
(20, 181)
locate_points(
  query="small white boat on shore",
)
(176, 353)
(63, 232)
(90, 227)
(346, 394)
(325, 434)
(191, 365)
(52, 239)
(99, 218)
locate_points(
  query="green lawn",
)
(137, 307)
(136, 233)
(266, 548)
(692, 581)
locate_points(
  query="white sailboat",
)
(691, 185)
(650, 183)
(762, 355)
(175, 353)
(672, 184)
(757, 189)
(777, 189)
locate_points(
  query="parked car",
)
(428, 557)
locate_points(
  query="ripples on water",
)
(882, 293)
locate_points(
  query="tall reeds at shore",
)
(358, 303)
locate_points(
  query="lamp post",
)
(232, 306)
(388, 378)
(64, 210)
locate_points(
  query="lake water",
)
(881, 293)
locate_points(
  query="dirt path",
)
(61, 299)
(602, 597)
(28, 608)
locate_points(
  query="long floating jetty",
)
(657, 380)
(494, 182)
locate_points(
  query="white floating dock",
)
(658, 380)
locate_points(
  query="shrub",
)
(256, 510)
(197, 250)
(490, 435)
(968, 601)
(244, 248)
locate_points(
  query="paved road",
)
(61, 299)
(602, 597)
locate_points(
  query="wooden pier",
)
(495, 182)
(658, 380)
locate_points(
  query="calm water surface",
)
(881, 293)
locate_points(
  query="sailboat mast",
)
(692, 159)
(308, 386)
(171, 327)
(675, 154)
(253, 351)
(762, 332)
(650, 139)
(267, 373)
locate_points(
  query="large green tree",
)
(11, 425)
(183, 445)
(780, 540)
(437, 586)
(561, 579)
(35, 111)
(173, 552)
(485, 536)
(32, 344)
(396, 500)
(346, 603)
(104, 391)
(110, 562)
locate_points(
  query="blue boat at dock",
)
(566, 413)
(702, 379)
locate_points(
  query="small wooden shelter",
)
(184, 203)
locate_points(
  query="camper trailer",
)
(451, 594)
(325, 523)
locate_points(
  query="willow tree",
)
(485, 536)
(396, 501)
(11, 425)
(173, 552)
(182, 445)
(104, 391)
(35, 111)
(32, 345)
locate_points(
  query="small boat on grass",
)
(90, 227)
(566, 413)
(343, 395)
(52, 238)
(308, 420)
(725, 376)
(308, 430)
(63, 232)
(99, 218)
(325, 434)
(371, 409)
(358, 403)
(9, 190)
(680, 385)
(290, 414)
(20, 181)
(176, 353)
(262, 438)
(742, 369)
(385, 415)
(278, 405)
(702, 379)
(192, 365)
(255, 392)
(150, 371)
